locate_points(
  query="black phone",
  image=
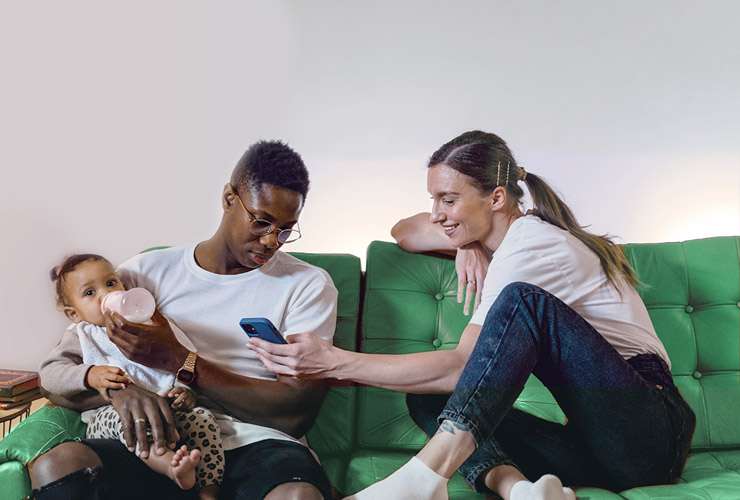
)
(262, 328)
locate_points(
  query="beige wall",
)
(119, 123)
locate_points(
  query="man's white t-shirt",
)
(541, 254)
(206, 308)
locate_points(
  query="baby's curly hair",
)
(68, 265)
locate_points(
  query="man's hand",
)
(152, 345)
(183, 399)
(471, 264)
(101, 378)
(139, 410)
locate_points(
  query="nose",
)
(270, 240)
(436, 216)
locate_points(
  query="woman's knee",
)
(61, 461)
(509, 296)
(516, 289)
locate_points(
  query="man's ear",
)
(498, 198)
(71, 314)
(227, 199)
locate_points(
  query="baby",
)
(82, 281)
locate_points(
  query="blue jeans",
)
(627, 424)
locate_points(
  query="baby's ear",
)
(71, 313)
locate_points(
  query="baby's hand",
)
(102, 378)
(184, 399)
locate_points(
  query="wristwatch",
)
(186, 373)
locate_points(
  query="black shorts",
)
(252, 471)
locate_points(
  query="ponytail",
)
(549, 207)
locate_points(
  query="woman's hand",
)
(153, 345)
(471, 264)
(140, 410)
(306, 356)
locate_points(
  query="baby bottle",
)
(135, 305)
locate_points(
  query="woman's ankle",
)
(502, 478)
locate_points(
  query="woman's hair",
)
(68, 265)
(487, 159)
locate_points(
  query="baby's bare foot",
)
(182, 467)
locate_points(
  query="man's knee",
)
(61, 461)
(295, 491)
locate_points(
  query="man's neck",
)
(213, 255)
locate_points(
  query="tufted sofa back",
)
(691, 289)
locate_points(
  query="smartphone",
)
(262, 328)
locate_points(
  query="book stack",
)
(17, 388)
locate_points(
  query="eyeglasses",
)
(262, 227)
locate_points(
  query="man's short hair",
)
(271, 162)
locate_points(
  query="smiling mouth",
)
(450, 229)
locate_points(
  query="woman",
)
(557, 302)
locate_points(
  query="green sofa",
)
(406, 303)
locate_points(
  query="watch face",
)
(186, 377)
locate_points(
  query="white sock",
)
(414, 481)
(548, 487)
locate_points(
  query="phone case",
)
(262, 328)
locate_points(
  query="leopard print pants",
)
(198, 429)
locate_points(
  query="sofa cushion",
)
(40, 432)
(708, 475)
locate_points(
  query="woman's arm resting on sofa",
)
(307, 356)
(418, 234)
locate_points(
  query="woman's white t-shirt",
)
(536, 252)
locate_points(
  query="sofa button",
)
(439, 296)
(738, 304)
(437, 343)
(696, 375)
(689, 309)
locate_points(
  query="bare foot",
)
(182, 467)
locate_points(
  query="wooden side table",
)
(8, 418)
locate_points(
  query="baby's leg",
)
(178, 465)
(105, 424)
(199, 430)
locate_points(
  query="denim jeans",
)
(627, 424)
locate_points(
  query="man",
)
(204, 290)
